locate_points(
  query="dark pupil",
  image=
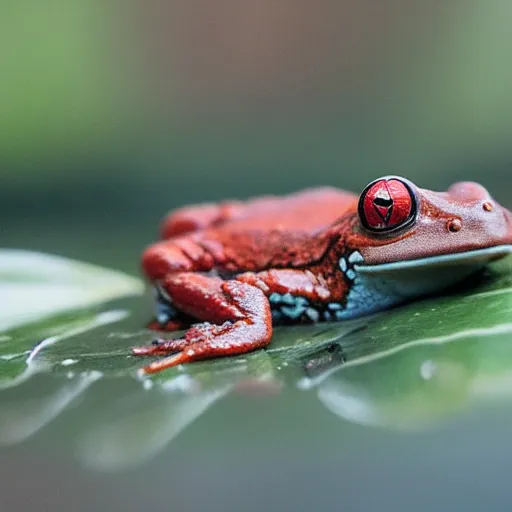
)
(380, 201)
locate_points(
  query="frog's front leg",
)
(171, 257)
(295, 295)
(298, 295)
(237, 320)
(297, 282)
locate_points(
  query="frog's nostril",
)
(487, 206)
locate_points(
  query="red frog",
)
(318, 255)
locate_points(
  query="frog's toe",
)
(145, 350)
(167, 362)
(206, 341)
(160, 347)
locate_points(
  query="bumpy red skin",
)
(290, 244)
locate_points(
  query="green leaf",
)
(425, 361)
(37, 285)
(405, 368)
(46, 299)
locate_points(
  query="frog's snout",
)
(491, 217)
(508, 222)
(496, 222)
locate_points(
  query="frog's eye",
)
(387, 204)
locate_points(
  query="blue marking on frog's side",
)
(368, 296)
(289, 299)
(275, 298)
(164, 311)
(355, 258)
(365, 295)
(312, 314)
(360, 300)
(351, 274)
(293, 312)
(347, 264)
(327, 316)
(277, 316)
(289, 307)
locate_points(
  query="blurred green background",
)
(111, 113)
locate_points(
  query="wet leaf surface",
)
(404, 369)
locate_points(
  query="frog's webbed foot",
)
(240, 316)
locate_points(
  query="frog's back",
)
(280, 231)
(306, 211)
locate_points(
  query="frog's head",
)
(402, 227)
(402, 222)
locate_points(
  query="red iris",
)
(386, 204)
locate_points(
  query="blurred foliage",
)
(59, 89)
(82, 95)
(459, 101)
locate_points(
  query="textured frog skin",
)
(242, 267)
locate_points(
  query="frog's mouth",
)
(424, 275)
(468, 258)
